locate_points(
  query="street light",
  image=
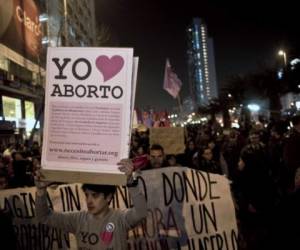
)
(253, 107)
(282, 53)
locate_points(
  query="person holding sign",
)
(101, 227)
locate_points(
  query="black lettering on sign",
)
(168, 190)
(20, 206)
(89, 69)
(219, 242)
(61, 67)
(211, 183)
(17, 205)
(160, 226)
(202, 217)
(46, 242)
(216, 241)
(56, 91)
(49, 201)
(191, 244)
(69, 89)
(225, 239)
(122, 196)
(39, 236)
(179, 187)
(89, 91)
(32, 236)
(80, 91)
(153, 244)
(234, 240)
(7, 206)
(149, 229)
(190, 186)
(212, 241)
(29, 205)
(171, 222)
(202, 188)
(163, 243)
(70, 198)
(92, 90)
(104, 88)
(55, 238)
(142, 184)
(117, 92)
(158, 223)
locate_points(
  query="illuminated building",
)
(201, 65)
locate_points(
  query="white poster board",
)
(87, 110)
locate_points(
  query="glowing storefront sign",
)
(31, 25)
(22, 30)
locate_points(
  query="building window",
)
(12, 109)
(30, 116)
(3, 63)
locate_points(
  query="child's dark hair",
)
(157, 147)
(104, 189)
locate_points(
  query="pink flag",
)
(172, 83)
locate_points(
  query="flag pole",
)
(179, 102)
(180, 110)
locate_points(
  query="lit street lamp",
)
(282, 53)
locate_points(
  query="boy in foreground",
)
(101, 227)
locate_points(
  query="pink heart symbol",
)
(109, 67)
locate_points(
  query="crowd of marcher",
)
(262, 163)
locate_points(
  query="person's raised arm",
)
(67, 221)
(139, 209)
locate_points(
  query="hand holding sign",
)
(40, 183)
(126, 166)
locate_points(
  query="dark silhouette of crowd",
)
(18, 163)
(261, 162)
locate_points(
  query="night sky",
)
(247, 35)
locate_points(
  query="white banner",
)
(187, 209)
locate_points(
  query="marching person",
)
(106, 226)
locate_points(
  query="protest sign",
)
(30, 234)
(171, 139)
(187, 209)
(87, 114)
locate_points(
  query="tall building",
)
(69, 23)
(201, 64)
